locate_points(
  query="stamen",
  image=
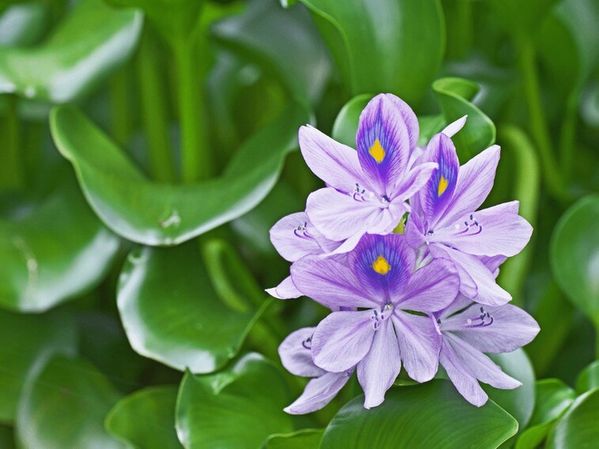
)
(483, 320)
(471, 227)
(307, 343)
(379, 316)
(358, 193)
(302, 231)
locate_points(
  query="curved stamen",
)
(307, 343)
(472, 227)
(483, 320)
(302, 231)
(378, 316)
(358, 193)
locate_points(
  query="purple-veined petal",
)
(409, 118)
(431, 288)
(478, 364)
(336, 164)
(383, 143)
(296, 353)
(342, 339)
(338, 216)
(494, 231)
(475, 181)
(331, 282)
(493, 329)
(467, 285)
(460, 303)
(414, 232)
(463, 381)
(455, 127)
(493, 263)
(378, 370)
(285, 290)
(414, 181)
(318, 393)
(419, 344)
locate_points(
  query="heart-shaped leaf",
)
(172, 314)
(261, 33)
(164, 214)
(431, 415)
(381, 46)
(588, 378)
(53, 253)
(27, 343)
(456, 96)
(553, 397)
(578, 427)
(146, 419)
(575, 255)
(73, 60)
(64, 407)
(249, 398)
(302, 439)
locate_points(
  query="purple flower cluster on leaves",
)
(396, 247)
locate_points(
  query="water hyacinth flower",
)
(445, 218)
(366, 189)
(390, 304)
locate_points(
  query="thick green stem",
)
(568, 134)
(527, 184)
(538, 123)
(11, 166)
(154, 111)
(196, 161)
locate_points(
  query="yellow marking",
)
(381, 266)
(377, 151)
(442, 187)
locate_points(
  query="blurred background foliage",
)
(147, 146)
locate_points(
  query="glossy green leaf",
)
(6, 438)
(578, 428)
(44, 262)
(261, 34)
(521, 17)
(346, 123)
(27, 343)
(553, 397)
(588, 378)
(172, 314)
(575, 255)
(302, 439)
(380, 46)
(146, 419)
(164, 214)
(456, 96)
(431, 415)
(234, 409)
(22, 24)
(64, 407)
(73, 60)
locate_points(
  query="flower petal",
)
(432, 287)
(493, 329)
(464, 382)
(285, 290)
(419, 344)
(318, 393)
(342, 339)
(383, 143)
(414, 181)
(336, 164)
(331, 282)
(454, 127)
(296, 353)
(379, 369)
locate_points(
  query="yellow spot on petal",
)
(377, 151)
(381, 266)
(442, 187)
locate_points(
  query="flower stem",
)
(11, 168)
(154, 111)
(196, 163)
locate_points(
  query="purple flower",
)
(444, 217)
(366, 189)
(389, 321)
(295, 237)
(468, 330)
(296, 357)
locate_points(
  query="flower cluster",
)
(396, 247)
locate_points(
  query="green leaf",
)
(22, 24)
(27, 343)
(44, 262)
(172, 314)
(7, 440)
(302, 439)
(235, 409)
(346, 123)
(588, 378)
(456, 96)
(521, 17)
(64, 407)
(380, 46)
(146, 419)
(575, 255)
(430, 415)
(261, 34)
(164, 214)
(553, 397)
(578, 428)
(73, 60)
